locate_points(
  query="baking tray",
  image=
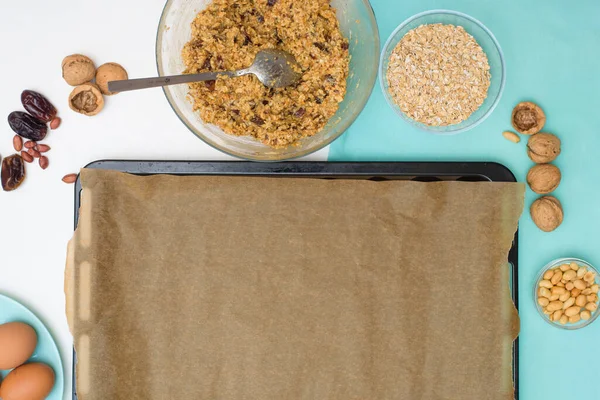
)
(375, 171)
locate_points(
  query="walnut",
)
(544, 178)
(528, 118)
(547, 213)
(86, 99)
(78, 69)
(107, 73)
(543, 148)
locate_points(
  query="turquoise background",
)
(552, 51)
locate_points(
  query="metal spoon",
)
(274, 68)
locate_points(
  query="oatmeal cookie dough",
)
(228, 34)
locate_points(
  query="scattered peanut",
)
(568, 294)
(26, 156)
(55, 123)
(42, 148)
(71, 178)
(30, 144)
(513, 137)
(44, 162)
(18, 143)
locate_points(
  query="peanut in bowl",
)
(566, 293)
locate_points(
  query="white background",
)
(36, 221)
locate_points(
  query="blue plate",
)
(46, 351)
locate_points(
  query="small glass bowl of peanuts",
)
(566, 293)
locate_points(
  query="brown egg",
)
(17, 341)
(28, 382)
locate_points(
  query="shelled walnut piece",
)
(544, 178)
(528, 118)
(568, 293)
(547, 213)
(86, 99)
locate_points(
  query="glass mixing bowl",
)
(555, 264)
(486, 40)
(358, 24)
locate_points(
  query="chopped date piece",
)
(13, 172)
(210, 85)
(236, 112)
(38, 106)
(319, 100)
(219, 62)
(345, 46)
(329, 79)
(300, 113)
(271, 3)
(265, 102)
(207, 64)
(320, 46)
(260, 18)
(27, 126)
(257, 120)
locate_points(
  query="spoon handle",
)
(146, 83)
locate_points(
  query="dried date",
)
(13, 172)
(38, 106)
(27, 126)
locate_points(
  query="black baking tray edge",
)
(377, 171)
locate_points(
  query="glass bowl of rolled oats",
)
(442, 71)
(335, 42)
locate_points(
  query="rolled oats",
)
(438, 74)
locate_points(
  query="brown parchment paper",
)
(277, 288)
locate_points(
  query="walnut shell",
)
(528, 118)
(86, 99)
(544, 178)
(107, 73)
(547, 213)
(543, 148)
(78, 69)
